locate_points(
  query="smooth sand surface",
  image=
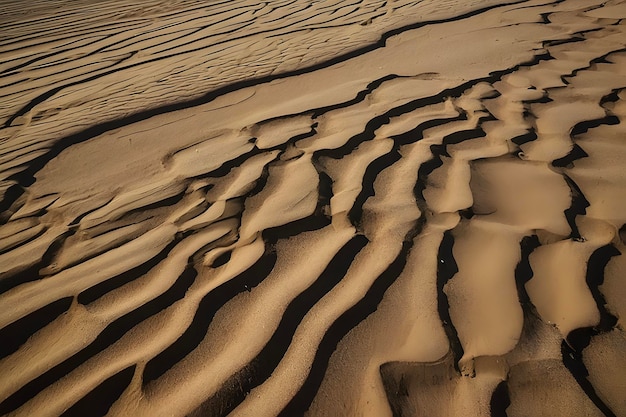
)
(320, 208)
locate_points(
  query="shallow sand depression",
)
(320, 208)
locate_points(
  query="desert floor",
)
(322, 208)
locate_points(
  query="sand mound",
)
(366, 209)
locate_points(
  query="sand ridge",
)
(436, 219)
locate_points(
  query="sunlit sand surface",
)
(320, 208)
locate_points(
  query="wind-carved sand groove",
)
(432, 225)
(71, 65)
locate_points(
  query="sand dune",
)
(316, 208)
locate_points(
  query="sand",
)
(320, 208)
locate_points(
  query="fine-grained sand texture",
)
(320, 208)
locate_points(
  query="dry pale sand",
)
(321, 208)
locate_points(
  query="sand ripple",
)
(369, 208)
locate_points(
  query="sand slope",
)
(367, 209)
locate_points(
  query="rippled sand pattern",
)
(321, 208)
